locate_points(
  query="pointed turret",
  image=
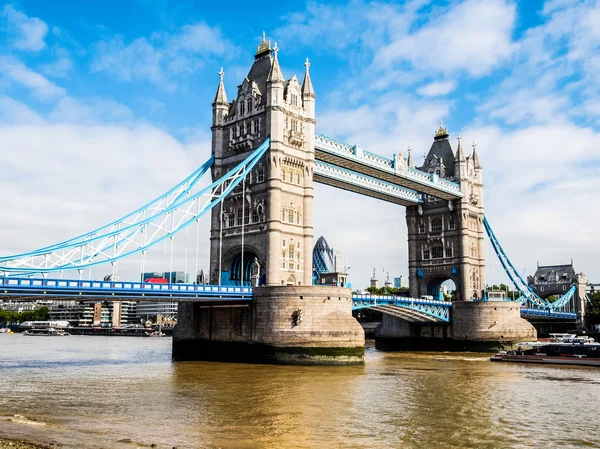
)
(410, 161)
(275, 75)
(220, 105)
(475, 158)
(460, 155)
(220, 96)
(460, 161)
(307, 87)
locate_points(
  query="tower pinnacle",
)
(441, 132)
(410, 161)
(220, 96)
(460, 155)
(275, 74)
(264, 47)
(476, 162)
(307, 87)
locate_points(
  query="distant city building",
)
(401, 282)
(554, 280)
(90, 313)
(150, 310)
(338, 257)
(374, 280)
(328, 265)
(173, 277)
(387, 283)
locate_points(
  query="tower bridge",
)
(265, 157)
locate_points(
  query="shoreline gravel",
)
(18, 443)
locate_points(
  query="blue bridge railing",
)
(136, 291)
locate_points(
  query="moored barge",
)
(574, 351)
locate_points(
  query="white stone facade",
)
(274, 206)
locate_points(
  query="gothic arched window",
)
(421, 228)
(436, 225)
(426, 252)
(249, 104)
(452, 224)
(260, 174)
(437, 252)
(261, 212)
(242, 107)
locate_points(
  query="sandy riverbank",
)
(22, 444)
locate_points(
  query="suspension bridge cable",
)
(243, 222)
(221, 242)
(172, 237)
(197, 239)
(185, 262)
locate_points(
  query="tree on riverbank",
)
(9, 316)
(387, 290)
(593, 308)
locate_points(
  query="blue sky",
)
(103, 105)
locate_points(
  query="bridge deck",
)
(357, 160)
(364, 185)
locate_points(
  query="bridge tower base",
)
(282, 325)
(476, 326)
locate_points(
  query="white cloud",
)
(13, 70)
(137, 61)
(27, 33)
(473, 36)
(527, 107)
(60, 67)
(437, 89)
(13, 111)
(538, 193)
(71, 110)
(159, 58)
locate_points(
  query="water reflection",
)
(96, 391)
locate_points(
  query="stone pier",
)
(475, 326)
(283, 325)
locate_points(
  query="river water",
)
(123, 392)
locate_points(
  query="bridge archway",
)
(435, 286)
(247, 271)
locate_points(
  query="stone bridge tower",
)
(274, 207)
(446, 238)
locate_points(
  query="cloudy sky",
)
(105, 105)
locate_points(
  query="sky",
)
(105, 105)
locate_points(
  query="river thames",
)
(120, 392)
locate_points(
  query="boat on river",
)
(560, 350)
(47, 332)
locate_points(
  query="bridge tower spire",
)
(220, 107)
(273, 208)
